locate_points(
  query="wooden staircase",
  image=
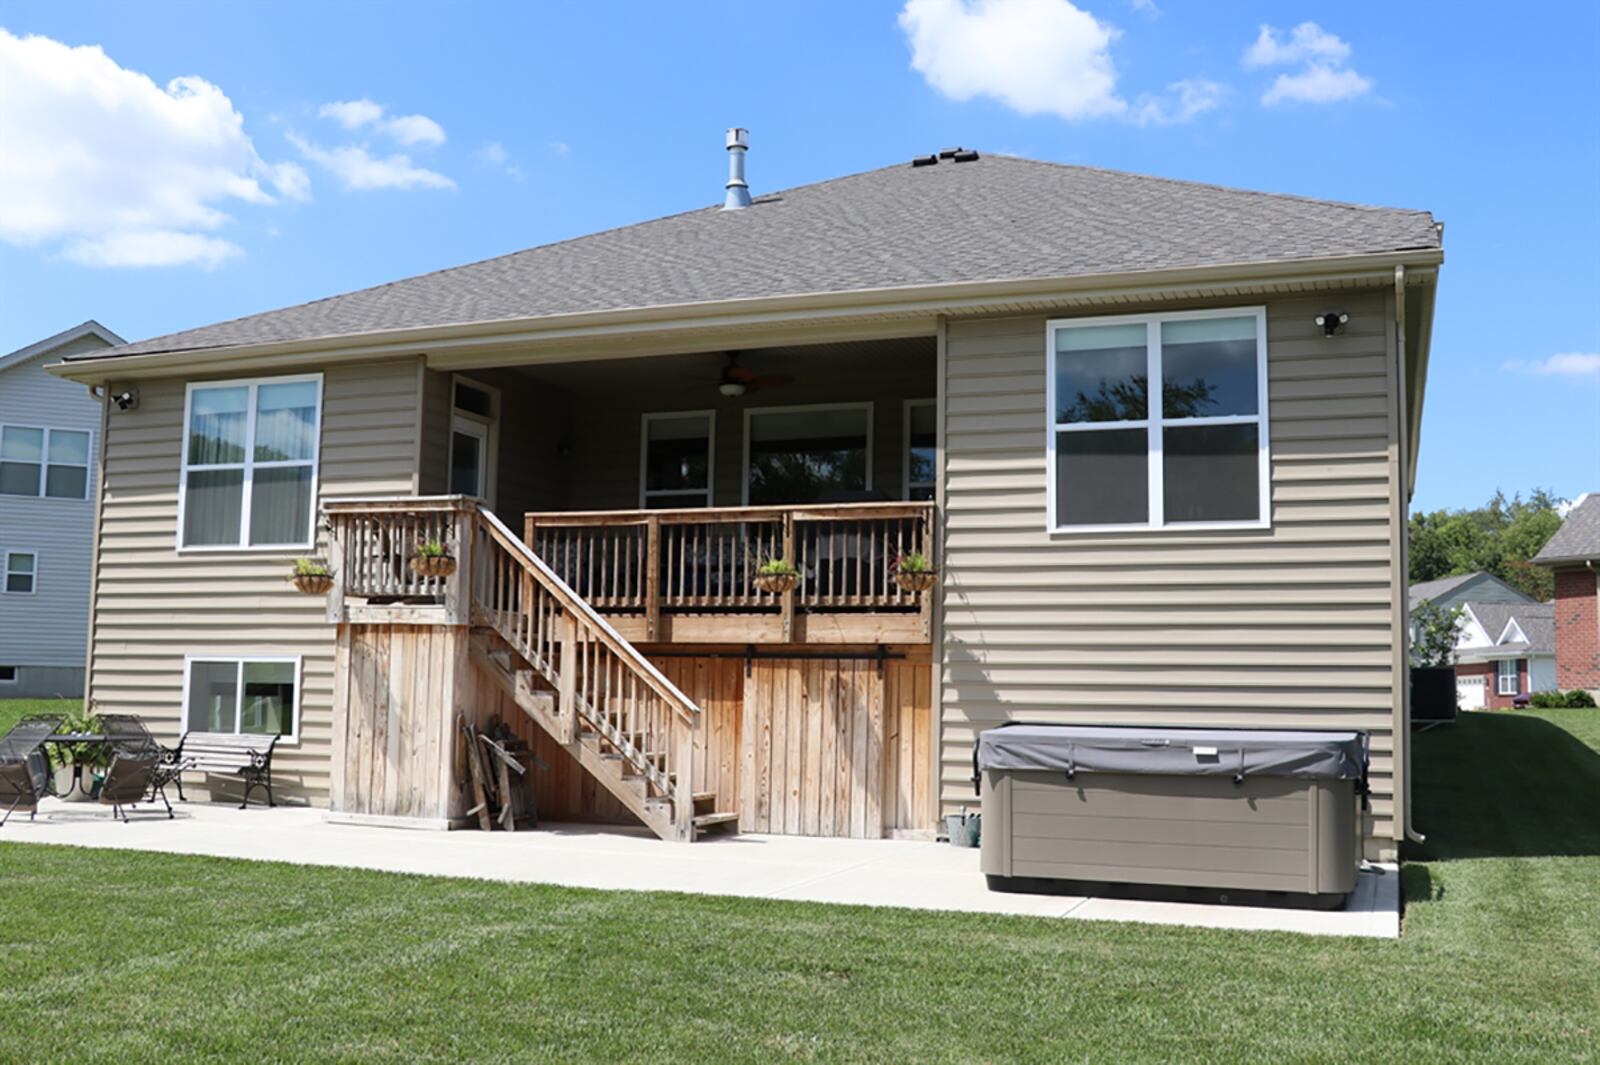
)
(623, 721)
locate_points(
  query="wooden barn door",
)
(831, 747)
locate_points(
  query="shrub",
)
(1574, 699)
(776, 567)
(431, 549)
(310, 567)
(912, 562)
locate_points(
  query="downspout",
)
(94, 545)
(1404, 532)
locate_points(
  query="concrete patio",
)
(928, 876)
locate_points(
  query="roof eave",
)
(908, 303)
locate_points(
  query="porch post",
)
(652, 577)
(567, 705)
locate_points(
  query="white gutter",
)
(641, 324)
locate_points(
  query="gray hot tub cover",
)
(1305, 755)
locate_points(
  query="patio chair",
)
(24, 769)
(140, 770)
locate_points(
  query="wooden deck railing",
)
(602, 684)
(705, 560)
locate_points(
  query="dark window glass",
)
(465, 464)
(474, 400)
(1102, 477)
(1208, 367)
(807, 456)
(678, 455)
(1101, 374)
(924, 457)
(1212, 473)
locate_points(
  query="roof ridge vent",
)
(738, 195)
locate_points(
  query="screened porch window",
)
(250, 696)
(249, 463)
(808, 454)
(675, 458)
(1192, 453)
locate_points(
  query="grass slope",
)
(139, 957)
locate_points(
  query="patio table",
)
(77, 770)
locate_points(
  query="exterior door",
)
(469, 457)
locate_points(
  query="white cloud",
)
(352, 114)
(362, 113)
(1571, 364)
(560, 147)
(1317, 84)
(151, 247)
(1191, 97)
(1307, 42)
(1034, 56)
(358, 168)
(118, 171)
(494, 153)
(1147, 8)
(1323, 77)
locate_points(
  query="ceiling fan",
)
(736, 380)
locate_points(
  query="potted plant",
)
(433, 559)
(311, 576)
(84, 762)
(777, 576)
(913, 572)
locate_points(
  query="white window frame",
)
(44, 463)
(189, 661)
(1500, 677)
(491, 436)
(752, 412)
(906, 483)
(5, 571)
(645, 495)
(249, 466)
(1153, 423)
(16, 675)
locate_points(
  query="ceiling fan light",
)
(731, 389)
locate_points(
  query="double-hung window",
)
(248, 696)
(36, 461)
(922, 448)
(21, 572)
(250, 463)
(1190, 454)
(1508, 676)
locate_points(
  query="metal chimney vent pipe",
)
(738, 192)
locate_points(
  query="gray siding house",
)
(49, 432)
(948, 357)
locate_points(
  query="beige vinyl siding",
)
(1287, 626)
(154, 605)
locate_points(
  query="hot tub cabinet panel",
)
(1195, 820)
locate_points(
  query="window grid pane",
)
(1206, 432)
(249, 464)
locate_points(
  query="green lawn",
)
(133, 957)
(13, 710)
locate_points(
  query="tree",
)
(1434, 635)
(1498, 538)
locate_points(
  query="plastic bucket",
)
(963, 829)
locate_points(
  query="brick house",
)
(1573, 554)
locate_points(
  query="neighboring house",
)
(1573, 553)
(948, 356)
(1505, 650)
(49, 429)
(1507, 643)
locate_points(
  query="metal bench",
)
(246, 756)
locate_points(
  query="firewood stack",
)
(497, 763)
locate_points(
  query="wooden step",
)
(713, 820)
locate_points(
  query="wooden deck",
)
(688, 576)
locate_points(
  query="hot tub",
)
(1065, 806)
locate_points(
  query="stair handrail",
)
(588, 617)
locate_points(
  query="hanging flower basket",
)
(313, 583)
(917, 580)
(433, 565)
(777, 583)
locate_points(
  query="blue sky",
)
(518, 124)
